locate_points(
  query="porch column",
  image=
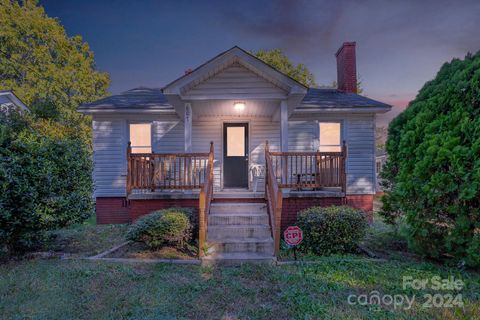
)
(284, 126)
(188, 127)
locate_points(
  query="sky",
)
(400, 44)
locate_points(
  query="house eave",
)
(305, 108)
(126, 110)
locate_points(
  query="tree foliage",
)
(433, 169)
(45, 179)
(48, 70)
(277, 59)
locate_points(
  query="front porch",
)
(168, 179)
(183, 175)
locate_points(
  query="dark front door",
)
(235, 155)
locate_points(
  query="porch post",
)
(188, 127)
(284, 126)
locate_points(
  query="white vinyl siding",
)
(109, 156)
(302, 136)
(202, 133)
(110, 138)
(235, 80)
(211, 129)
(361, 155)
(358, 132)
(168, 135)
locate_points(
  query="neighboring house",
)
(321, 149)
(8, 101)
(380, 159)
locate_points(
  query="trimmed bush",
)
(163, 227)
(334, 229)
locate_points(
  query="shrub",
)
(432, 174)
(45, 182)
(170, 226)
(334, 229)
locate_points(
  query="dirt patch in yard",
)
(137, 250)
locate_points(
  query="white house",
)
(8, 101)
(200, 142)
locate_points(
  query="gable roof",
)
(227, 58)
(170, 97)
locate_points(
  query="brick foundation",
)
(138, 208)
(291, 206)
(111, 210)
(118, 210)
(363, 202)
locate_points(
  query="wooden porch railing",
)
(299, 170)
(205, 199)
(148, 172)
(303, 170)
(151, 171)
(274, 197)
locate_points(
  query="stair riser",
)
(238, 262)
(240, 232)
(243, 247)
(230, 220)
(235, 208)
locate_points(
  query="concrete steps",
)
(236, 258)
(239, 232)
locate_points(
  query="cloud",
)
(300, 25)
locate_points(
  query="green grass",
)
(82, 289)
(79, 289)
(86, 239)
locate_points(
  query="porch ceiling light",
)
(239, 106)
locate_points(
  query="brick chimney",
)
(347, 68)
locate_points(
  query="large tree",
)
(45, 155)
(50, 71)
(433, 169)
(277, 59)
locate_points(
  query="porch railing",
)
(205, 199)
(151, 171)
(273, 193)
(299, 170)
(310, 170)
(182, 171)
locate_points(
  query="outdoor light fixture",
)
(239, 106)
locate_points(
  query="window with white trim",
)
(330, 137)
(141, 137)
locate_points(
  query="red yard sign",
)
(293, 236)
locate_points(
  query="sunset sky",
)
(400, 44)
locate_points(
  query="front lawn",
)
(86, 239)
(84, 289)
(71, 289)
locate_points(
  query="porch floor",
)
(235, 194)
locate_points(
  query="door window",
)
(235, 141)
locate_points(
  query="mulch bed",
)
(137, 250)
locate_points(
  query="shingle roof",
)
(138, 98)
(148, 98)
(333, 98)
